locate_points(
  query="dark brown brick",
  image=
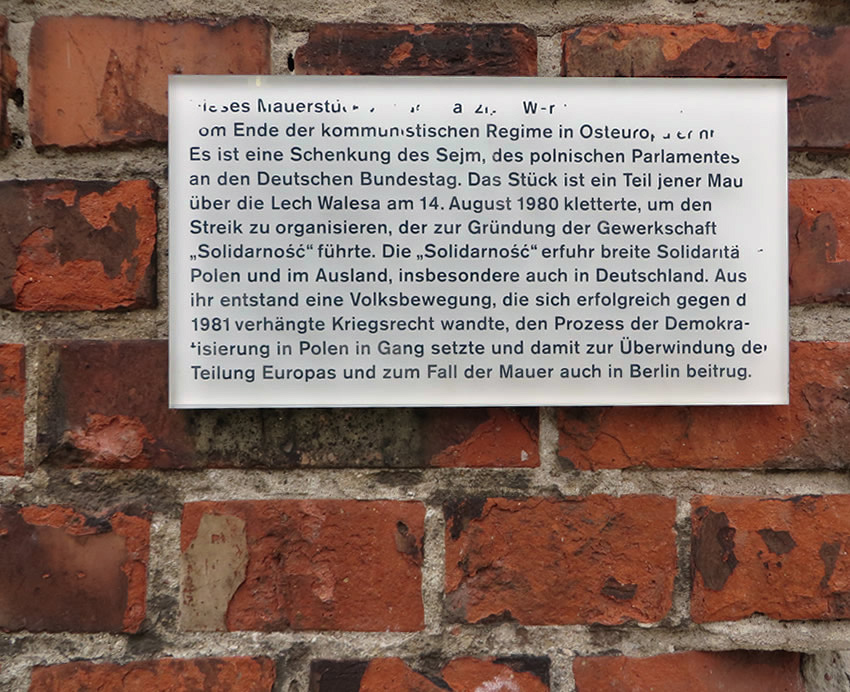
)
(698, 671)
(12, 398)
(303, 565)
(105, 404)
(819, 240)
(162, 675)
(65, 571)
(813, 60)
(786, 558)
(8, 83)
(72, 245)
(427, 49)
(97, 81)
(810, 433)
(582, 560)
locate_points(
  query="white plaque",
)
(467, 241)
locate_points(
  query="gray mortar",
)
(166, 492)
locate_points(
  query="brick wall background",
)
(490, 550)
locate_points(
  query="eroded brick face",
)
(786, 558)
(105, 405)
(697, 671)
(819, 240)
(12, 399)
(72, 245)
(541, 561)
(812, 60)
(66, 571)
(810, 433)
(517, 674)
(426, 49)
(8, 83)
(311, 565)
(98, 81)
(163, 675)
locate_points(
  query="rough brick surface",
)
(597, 559)
(695, 671)
(786, 558)
(98, 81)
(8, 83)
(459, 675)
(303, 565)
(812, 60)
(12, 397)
(65, 571)
(819, 240)
(163, 675)
(72, 245)
(105, 404)
(810, 433)
(428, 49)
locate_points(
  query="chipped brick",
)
(8, 83)
(66, 571)
(318, 564)
(12, 399)
(807, 578)
(812, 60)
(810, 433)
(427, 49)
(596, 559)
(97, 81)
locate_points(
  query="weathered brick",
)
(66, 571)
(233, 674)
(519, 674)
(809, 433)
(73, 245)
(697, 671)
(427, 49)
(786, 558)
(596, 559)
(8, 83)
(12, 397)
(303, 565)
(105, 404)
(98, 81)
(813, 61)
(819, 240)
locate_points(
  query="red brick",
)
(540, 561)
(303, 565)
(786, 558)
(695, 671)
(427, 49)
(162, 675)
(105, 404)
(12, 397)
(8, 83)
(98, 81)
(66, 571)
(813, 61)
(809, 433)
(72, 245)
(520, 674)
(819, 240)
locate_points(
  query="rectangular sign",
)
(376, 241)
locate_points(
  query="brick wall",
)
(408, 550)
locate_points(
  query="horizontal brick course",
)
(12, 400)
(596, 559)
(66, 571)
(811, 59)
(810, 433)
(97, 81)
(303, 565)
(786, 558)
(426, 49)
(74, 245)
